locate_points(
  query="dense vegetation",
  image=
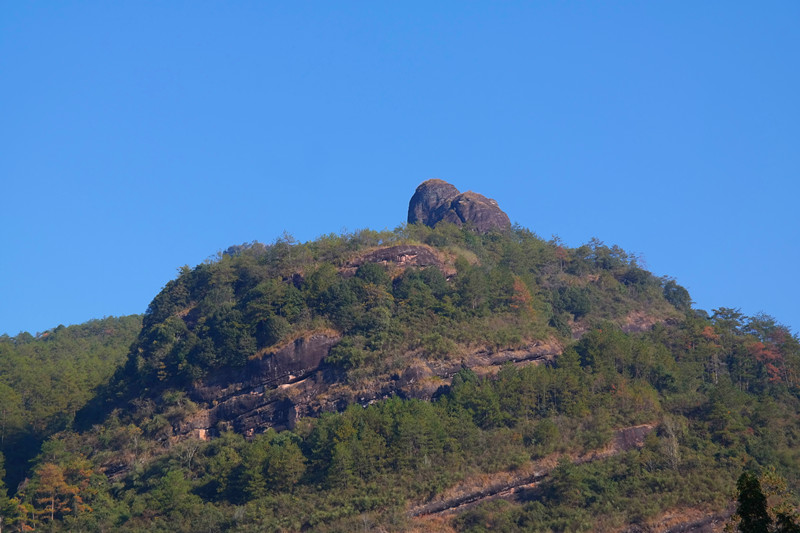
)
(721, 392)
(505, 290)
(46, 379)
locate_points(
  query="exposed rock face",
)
(275, 390)
(264, 392)
(436, 200)
(399, 257)
(288, 364)
(403, 256)
(428, 200)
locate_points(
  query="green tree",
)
(285, 462)
(786, 524)
(11, 412)
(677, 295)
(272, 330)
(752, 509)
(8, 507)
(171, 492)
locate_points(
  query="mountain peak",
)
(436, 200)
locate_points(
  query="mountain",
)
(455, 374)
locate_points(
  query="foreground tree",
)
(752, 509)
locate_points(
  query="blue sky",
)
(137, 137)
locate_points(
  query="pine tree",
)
(752, 509)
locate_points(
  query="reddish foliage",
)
(561, 253)
(774, 372)
(708, 333)
(765, 352)
(521, 299)
(772, 359)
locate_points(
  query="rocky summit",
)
(436, 200)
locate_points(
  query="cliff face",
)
(274, 390)
(265, 392)
(436, 200)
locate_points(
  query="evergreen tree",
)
(752, 509)
(786, 524)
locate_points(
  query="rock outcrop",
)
(430, 200)
(288, 364)
(398, 258)
(436, 200)
(277, 388)
(264, 392)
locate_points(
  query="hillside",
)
(46, 379)
(454, 374)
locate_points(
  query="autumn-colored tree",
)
(561, 255)
(708, 333)
(771, 358)
(521, 299)
(55, 494)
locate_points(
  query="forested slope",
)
(409, 396)
(45, 380)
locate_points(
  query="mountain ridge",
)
(330, 385)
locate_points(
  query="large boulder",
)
(429, 198)
(436, 200)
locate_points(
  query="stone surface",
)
(264, 392)
(289, 364)
(398, 258)
(436, 201)
(402, 256)
(483, 213)
(428, 200)
(275, 390)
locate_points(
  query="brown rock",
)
(401, 255)
(291, 363)
(483, 213)
(265, 392)
(435, 201)
(429, 197)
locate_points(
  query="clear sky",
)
(137, 137)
